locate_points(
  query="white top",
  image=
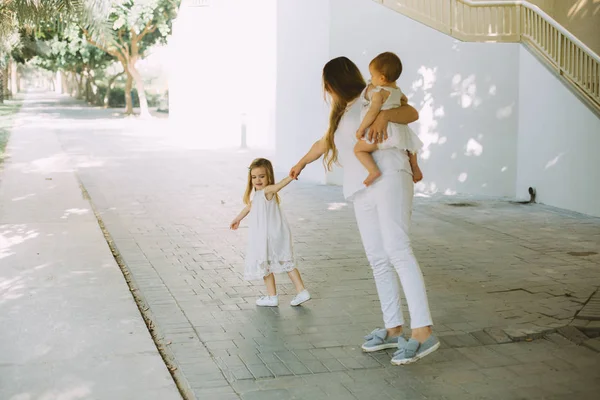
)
(399, 135)
(389, 161)
(269, 241)
(393, 100)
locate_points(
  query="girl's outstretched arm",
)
(315, 152)
(272, 189)
(236, 222)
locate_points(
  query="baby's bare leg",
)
(414, 166)
(363, 151)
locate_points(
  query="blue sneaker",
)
(378, 340)
(411, 351)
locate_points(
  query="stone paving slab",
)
(591, 310)
(70, 327)
(496, 273)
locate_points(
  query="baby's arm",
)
(272, 189)
(236, 222)
(377, 101)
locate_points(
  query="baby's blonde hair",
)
(259, 163)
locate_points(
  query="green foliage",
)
(117, 97)
(8, 113)
(69, 51)
(27, 17)
(136, 26)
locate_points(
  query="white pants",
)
(383, 212)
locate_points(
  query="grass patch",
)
(8, 112)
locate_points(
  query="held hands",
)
(360, 133)
(234, 225)
(296, 170)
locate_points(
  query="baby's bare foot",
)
(372, 178)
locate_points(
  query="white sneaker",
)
(300, 298)
(268, 301)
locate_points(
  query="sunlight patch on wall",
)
(474, 148)
(505, 112)
(465, 90)
(554, 161)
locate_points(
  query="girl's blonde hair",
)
(258, 163)
(342, 79)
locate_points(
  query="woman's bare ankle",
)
(421, 334)
(393, 332)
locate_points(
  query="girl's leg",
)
(270, 283)
(302, 294)
(296, 280)
(363, 151)
(414, 166)
(394, 196)
(386, 281)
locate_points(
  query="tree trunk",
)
(74, 85)
(5, 84)
(93, 91)
(88, 86)
(128, 101)
(17, 78)
(59, 85)
(82, 85)
(13, 78)
(111, 82)
(70, 86)
(2, 72)
(139, 84)
(64, 79)
(79, 85)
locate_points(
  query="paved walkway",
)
(506, 281)
(69, 328)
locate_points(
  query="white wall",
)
(477, 101)
(223, 66)
(302, 50)
(466, 94)
(559, 142)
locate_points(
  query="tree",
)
(67, 50)
(109, 85)
(9, 40)
(22, 17)
(136, 26)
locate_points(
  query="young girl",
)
(382, 93)
(269, 248)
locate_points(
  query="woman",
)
(383, 211)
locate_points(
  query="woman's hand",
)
(360, 134)
(405, 114)
(377, 132)
(234, 225)
(296, 170)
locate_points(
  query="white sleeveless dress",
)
(270, 239)
(400, 136)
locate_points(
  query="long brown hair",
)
(343, 80)
(258, 163)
